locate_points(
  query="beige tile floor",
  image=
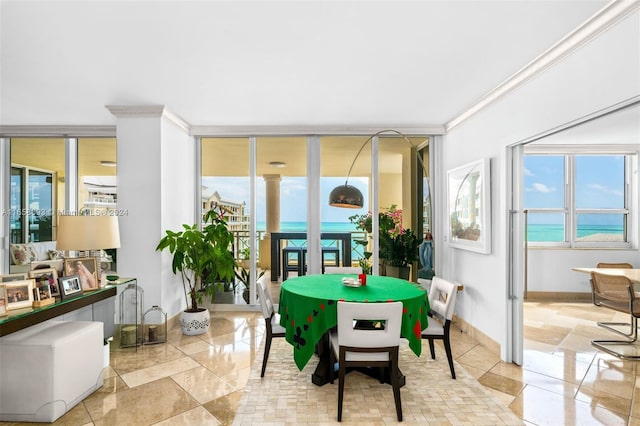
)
(199, 379)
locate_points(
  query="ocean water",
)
(536, 232)
(555, 233)
(302, 226)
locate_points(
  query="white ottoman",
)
(46, 369)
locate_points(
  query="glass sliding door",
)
(40, 194)
(281, 181)
(97, 187)
(225, 184)
(42, 163)
(17, 220)
(337, 154)
(97, 171)
(36, 194)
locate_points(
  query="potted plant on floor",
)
(202, 258)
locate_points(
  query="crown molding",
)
(58, 131)
(601, 21)
(141, 111)
(248, 131)
(627, 103)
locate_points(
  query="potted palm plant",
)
(203, 259)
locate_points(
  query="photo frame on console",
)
(50, 275)
(42, 291)
(57, 264)
(70, 286)
(13, 277)
(86, 268)
(19, 294)
(469, 206)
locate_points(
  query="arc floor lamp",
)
(348, 196)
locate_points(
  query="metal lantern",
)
(154, 326)
(131, 302)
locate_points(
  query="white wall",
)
(155, 188)
(138, 174)
(550, 269)
(598, 75)
(177, 206)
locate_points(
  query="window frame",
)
(571, 212)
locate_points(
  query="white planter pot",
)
(194, 323)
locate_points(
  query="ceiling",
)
(333, 64)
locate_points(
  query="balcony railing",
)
(241, 242)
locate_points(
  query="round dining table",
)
(308, 310)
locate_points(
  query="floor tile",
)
(501, 383)
(542, 407)
(594, 396)
(202, 384)
(158, 371)
(197, 416)
(142, 405)
(555, 367)
(614, 381)
(191, 380)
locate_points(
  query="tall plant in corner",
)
(202, 257)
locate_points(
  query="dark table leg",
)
(275, 258)
(346, 251)
(322, 374)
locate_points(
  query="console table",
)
(22, 318)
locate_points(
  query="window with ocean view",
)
(577, 200)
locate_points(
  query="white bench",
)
(46, 369)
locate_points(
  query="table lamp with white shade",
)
(87, 233)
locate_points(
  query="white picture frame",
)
(19, 294)
(469, 206)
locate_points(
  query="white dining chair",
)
(425, 283)
(442, 298)
(342, 270)
(356, 347)
(271, 318)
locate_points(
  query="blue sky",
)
(293, 196)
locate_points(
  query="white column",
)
(314, 243)
(273, 202)
(5, 189)
(156, 192)
(272, 184)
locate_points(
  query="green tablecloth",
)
(308, 308)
